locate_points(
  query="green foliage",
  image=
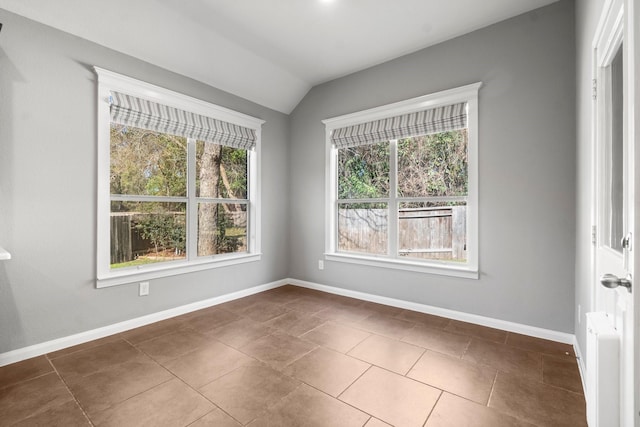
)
(234, 168)
(433, 165)
(163, 230)
(234, 164)
(226, 242)
(145, 162)
(429, 165)
(136, 262)
(363, 171)
(148, 163)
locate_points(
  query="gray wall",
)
(527, 169)
(48, 190)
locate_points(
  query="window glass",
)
(363, 171)
(433, 165)
(147, 233)
(222, 228)
(363, 227)
(433, 230)
(176, 183)
(614, 183)
(147, 163)
(429, 168)
(409, 202)
(221, 171)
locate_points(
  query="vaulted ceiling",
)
(268, 51)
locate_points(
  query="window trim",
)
(110, 81)
(470, 269)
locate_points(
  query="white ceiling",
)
(268, 51)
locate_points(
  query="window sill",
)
(420, 267)
(131, 275)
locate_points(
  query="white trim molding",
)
(108, 82)
(83, 337)
(94, 334)
(468, 268)
(490, 322)
(582, 367)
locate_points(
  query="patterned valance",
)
(141, 113)
(435, 120)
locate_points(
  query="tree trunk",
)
(208, 212)
(230, 195)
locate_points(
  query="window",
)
(402, 185)
(177, 183)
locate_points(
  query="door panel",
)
(614, 192)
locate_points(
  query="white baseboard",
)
(581, 366)
(83, 337)
(505, 325)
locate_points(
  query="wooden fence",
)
(127, 243)
(428, 233)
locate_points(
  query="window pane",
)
(614, 167)
(146, 233)
(222, 228)
(433, 230)
(362, 227)
(221, 172)
(144, 162)
(433, 165)
(363, 172)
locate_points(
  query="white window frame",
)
(109, 81)
(470, 268)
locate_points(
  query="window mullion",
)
(192, 203)
(393, 198)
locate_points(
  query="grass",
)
(136, 262)
(143, 260)
(153, 258)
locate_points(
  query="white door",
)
(615, 189)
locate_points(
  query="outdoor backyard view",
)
(419, 182)
(151, 201)
(422, 180)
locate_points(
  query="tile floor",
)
(292, 357)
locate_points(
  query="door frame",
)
(630, 21)
(632, 36)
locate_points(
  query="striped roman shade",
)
(141, 113)
(435, 120)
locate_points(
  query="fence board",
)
(426, 233)
(120, 239)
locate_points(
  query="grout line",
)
(359, 342)
(352, 383)
(26, 379)
(466, 348)
(348, 324)
(433, 407)
(424, 350)
(300, 357)
(506, 338)
(269, 407)
(493, 385)
(216, 407)
(73, 396)
(116, 337)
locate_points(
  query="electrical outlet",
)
(144, 289)
(320, 264)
